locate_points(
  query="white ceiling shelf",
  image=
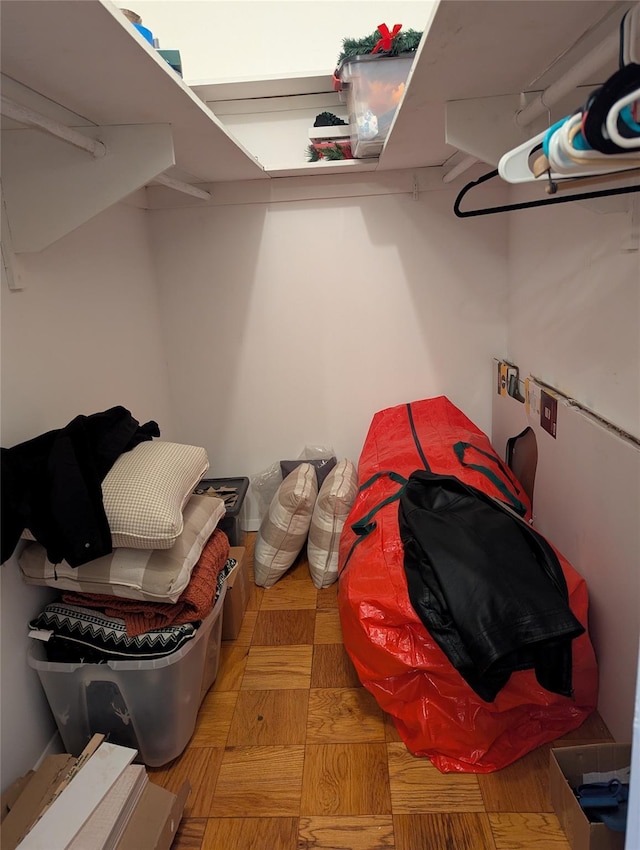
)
(87, 57)
(86, 61)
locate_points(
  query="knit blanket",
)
(194, 603)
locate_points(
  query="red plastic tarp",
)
(436, 712)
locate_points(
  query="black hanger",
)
(582, 196)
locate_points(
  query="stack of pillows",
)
(162, 535)
(311, 506)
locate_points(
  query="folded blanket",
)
(194, 603)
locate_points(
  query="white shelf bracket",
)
(185, 188)
(10, 263)
(464, 165)
(483, 127)
(11, 109)
(50, 188)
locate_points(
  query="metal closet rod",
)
(591, 62)
(11, 109)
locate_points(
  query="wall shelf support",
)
(51, 188)
(185, 188)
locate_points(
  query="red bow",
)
(387, 37)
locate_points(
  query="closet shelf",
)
(88, 58)
(471, 50)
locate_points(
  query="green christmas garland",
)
(331, 152)
(402, 42)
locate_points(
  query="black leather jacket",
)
(488, 587)
(52, 484)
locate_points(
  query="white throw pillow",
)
(334, 502)
(285, 526)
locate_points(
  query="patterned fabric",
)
(155, 575)
(195, 602)
(83, 635)
(87, 636)
(335, 500)
(145, 492)
(284, 529)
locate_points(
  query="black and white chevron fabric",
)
(87, 636)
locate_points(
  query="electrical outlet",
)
(548, 413)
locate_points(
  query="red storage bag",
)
(436, 712)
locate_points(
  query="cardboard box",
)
(155, 820)
(237, 598)
(36, 793)
(566, 770)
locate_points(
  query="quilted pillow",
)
(335, 500)
(154, 575)
(146, 490)
(285, 526)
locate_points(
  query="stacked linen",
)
(164, 572)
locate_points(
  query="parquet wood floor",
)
(291, 753)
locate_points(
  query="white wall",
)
(574, 304)
(290, 324)
(83, 336)
(231, 39)
(574, 322)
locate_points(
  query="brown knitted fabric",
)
(194, 603)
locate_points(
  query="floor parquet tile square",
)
(350, 715)
(417, 787)
(214, 719)
(251, 834)
(190, 834)
(245, 635)
(277, 667)
(332, 667)
(284, 628)
(391, 733)
(289, 594)
(258, 781)
(327, 597)
(199, 766)
(459, 830)
(233, 660)
(256, 595)
(527, 831)
(345, 779)
(328, 628)
(269, 718)
(370, 832)
(519, 787)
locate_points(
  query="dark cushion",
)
(322, 466)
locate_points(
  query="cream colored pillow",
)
(285, 526)
(154, 575)
(334, 502)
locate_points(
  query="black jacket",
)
(489, 589)
(52, 485)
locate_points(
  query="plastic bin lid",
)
(372, 57)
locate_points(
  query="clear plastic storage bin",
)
(149, 705)
(373, 86)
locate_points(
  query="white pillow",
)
(334, 502)
(285, 526)
(154, 575)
